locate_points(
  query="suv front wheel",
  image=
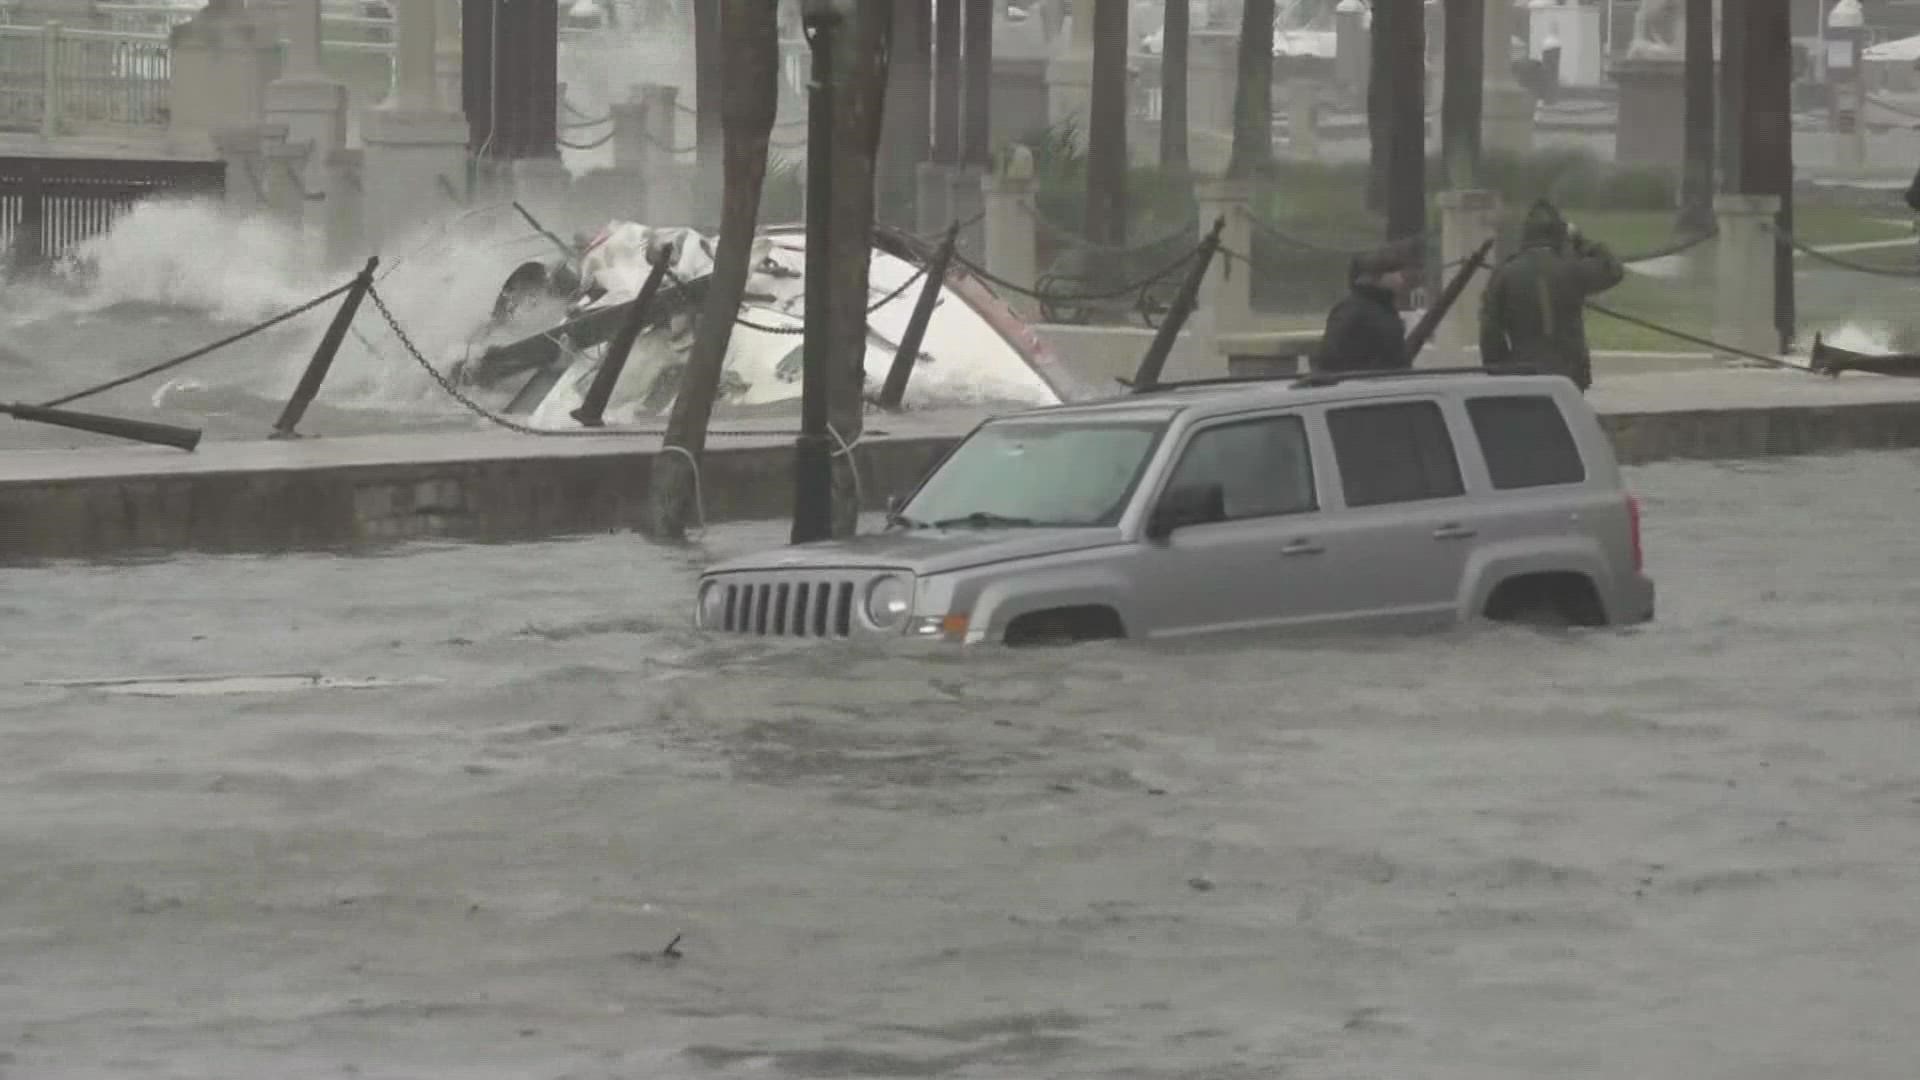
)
(1065, 626)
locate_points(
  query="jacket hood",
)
(1543, 224)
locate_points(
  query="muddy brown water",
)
(1689, 850)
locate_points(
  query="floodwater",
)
(1686, 851)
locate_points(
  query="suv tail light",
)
(1633, 530)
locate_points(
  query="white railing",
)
(59, 81)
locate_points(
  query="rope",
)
(1844, 264)
(167, 365)
(594, 122)
(1708, 343)
(699, 496)
(594, 145)
(853, 465)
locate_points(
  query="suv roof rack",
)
(1323, 378)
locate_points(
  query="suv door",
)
(1404, 531)
(1262, 565)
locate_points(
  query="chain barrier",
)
(1845, 264)
(1154, 278)
(446, 385)
(797, 121)
(1080, 243)
(1677, 247)
(1892, 108)
(168, 365)
(573, 125)
(594, 145)
(1271, 232)
(1694, 339)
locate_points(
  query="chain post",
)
(322, 361)
(894, 390)
(1152, 364)
(614, 360)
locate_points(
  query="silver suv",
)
(1325, 501)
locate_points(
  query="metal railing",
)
(56, 80)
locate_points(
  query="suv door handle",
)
(1452, 531)
(1301, 547)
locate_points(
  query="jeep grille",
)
(789, 607)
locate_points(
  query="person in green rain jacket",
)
(1533, 314)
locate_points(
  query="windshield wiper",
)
(904, 521)
(981, 519)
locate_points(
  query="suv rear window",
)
(1525, 441)
(1394, 453)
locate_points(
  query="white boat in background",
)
(976, 348)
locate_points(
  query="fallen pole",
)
(1422, 331)
(146, 431)
(322, 362)
(589, 414)
(894, 390)
(1152, 364)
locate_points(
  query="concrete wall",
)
(552, 493)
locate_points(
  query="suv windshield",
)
(1014, 473)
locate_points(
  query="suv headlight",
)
(713, 605)
(888, 600)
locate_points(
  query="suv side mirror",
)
(1200, 505)
(894, 503)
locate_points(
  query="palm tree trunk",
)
(709, 140)
(946, 82)
(750, 36)
(1106, 221)
(860, 70)
(909, 124)
(1399, 35)
(977, 141)
(1253, 93)
(1460, 102)
(1696, 183)
(1173, 86)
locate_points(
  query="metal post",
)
(813, 457)
(1152, 364)
(322, 361)
(146, 431)
(615, 360)
(894, 390)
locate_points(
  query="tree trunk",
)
(1106, 220)
(749, 31)
(1460, 102)
(1696, 182)
(946, 82)
(977, 142)
(909, 124)
(860, 71)
(1379, 114)
(1399, 35)
(1253, 92)
(709, 139)
(1173, 87)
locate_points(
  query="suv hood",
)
(923, 551)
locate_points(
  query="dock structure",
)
(333, 493)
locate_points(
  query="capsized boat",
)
(976, 348)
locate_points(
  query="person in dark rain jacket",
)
(1533, 314)
(1364, 331)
